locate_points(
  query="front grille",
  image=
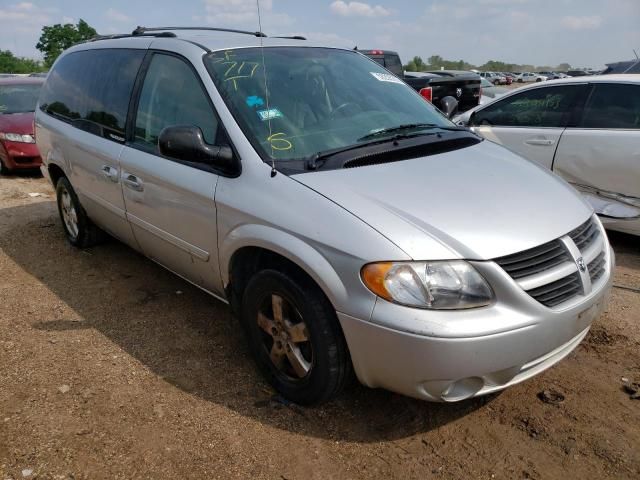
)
(597, 267)
(25, 160)
(585, 235)
(534, 260)
(555, 293)
(549, 272)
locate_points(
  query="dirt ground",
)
(111, 367)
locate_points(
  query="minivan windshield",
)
(19, 98)
(319, 99)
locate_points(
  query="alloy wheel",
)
(69, 214)
(285, 337)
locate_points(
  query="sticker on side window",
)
(386, 77)
(269, 114)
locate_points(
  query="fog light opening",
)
(462, 389)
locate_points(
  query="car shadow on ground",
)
(26, 173)
(190, 339)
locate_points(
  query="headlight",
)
(439, 285)
(17, 137)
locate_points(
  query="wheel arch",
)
(249, 248)
(55, 173)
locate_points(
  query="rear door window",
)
(172, 95)
(613, 105)
(541, 107)
(393, 64)
(91, 90)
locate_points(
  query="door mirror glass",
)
(449, 106)
(186, 143)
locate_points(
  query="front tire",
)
(78, 228)
(4, 170)
(295, 337)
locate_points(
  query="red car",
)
(18, 99)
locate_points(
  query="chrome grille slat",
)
(534, 260)
(542, 249)
(549, 272)
(597, 267)
(558, 291)
(551, 287)
(584, 235)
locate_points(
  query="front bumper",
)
(17, 155)
(454, 355)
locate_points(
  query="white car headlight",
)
(17, 137)
(438, 285)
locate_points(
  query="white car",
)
(530, 77)
(585, 129)
(493, 77)
(489, 91)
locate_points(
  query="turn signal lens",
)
(373, 276)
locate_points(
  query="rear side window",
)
(540, 107)
(393, 64)
(91, 90)
(613, 105)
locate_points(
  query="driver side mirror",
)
(186, 143)
(449, 106)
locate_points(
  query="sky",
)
(584, 33)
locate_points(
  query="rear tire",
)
(78, 228)
(294, 336)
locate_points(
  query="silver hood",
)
(478, 203)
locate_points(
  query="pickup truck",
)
(451, 94)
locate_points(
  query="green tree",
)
(9, 63)
(436, 62)
(416, 64)
(57, 38)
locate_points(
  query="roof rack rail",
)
(128, 35)
(291, 37)
(144, 30)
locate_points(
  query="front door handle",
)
(109, 172)
(545, 142)
(133, 182)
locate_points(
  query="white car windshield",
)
(318, 99)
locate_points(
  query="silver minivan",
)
(350, 226)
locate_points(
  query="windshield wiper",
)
(408, 126)
(316, 160)
(313, 162)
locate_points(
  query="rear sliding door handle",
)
(545, 142)
(132, 182)
(109, 172)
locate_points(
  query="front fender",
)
(290, 247)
